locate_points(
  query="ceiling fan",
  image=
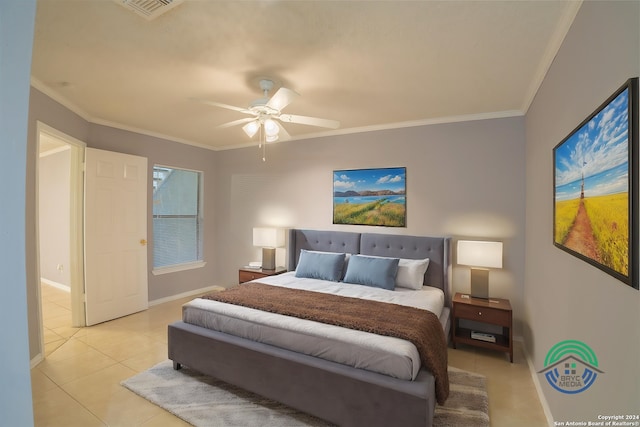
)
(267, 114)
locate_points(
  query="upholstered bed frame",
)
(337, 393)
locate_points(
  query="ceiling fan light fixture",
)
(271, 138)
(271, 128)
(251, 128)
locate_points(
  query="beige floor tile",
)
(74, 367)
(124, 408)
(155, 354)
(461, 359)
(59, 321)
(70, 348)
(51, 347)
(62, 300)
(128, 346)
(165, 419)
(55, 408)
(52, 310)
(102, 394)
(66, 331)
(40, 383)
(51, 336)
(100, 336)
(93, 390)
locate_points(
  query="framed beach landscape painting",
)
(370, 197)
(595, 216)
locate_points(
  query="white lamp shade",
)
(267, 237)
(270, 138)
(251, 128)
(480, 254)
(271, 128)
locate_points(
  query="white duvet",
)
(387, 355)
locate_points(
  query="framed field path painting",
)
(370, 197)
(596, 187)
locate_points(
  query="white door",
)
(115, 235)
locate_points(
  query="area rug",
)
(206, 402)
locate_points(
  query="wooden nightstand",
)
(492, 311)
(248, 274)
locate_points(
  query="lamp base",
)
(480, 283)
(269, 258)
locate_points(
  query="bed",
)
(332, 390)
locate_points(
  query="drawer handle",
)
(479, 313)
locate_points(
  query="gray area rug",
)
(206, 402)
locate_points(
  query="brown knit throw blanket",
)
(421, 327)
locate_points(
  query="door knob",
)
(143, 242)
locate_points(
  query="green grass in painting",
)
(380, 212)
(609, 216)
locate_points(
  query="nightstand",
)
(248, 274)
(492, 311)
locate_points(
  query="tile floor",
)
(78, 384)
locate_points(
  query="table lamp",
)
(480, 256)
(268, 239)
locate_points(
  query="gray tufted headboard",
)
(437, 249)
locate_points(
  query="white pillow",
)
(411, 273)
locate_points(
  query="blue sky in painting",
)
(599, 149)
(369, 179)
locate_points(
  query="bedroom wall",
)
(464, 180)
(54, 213)
(566, 298)
(46, 110)
(169, 153)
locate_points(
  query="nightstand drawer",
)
(483, 314)
(246, 276)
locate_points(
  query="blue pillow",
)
(372, 271)
(320, 265)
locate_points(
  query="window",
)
(177, 217)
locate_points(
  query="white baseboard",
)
(536, 383)
(185, 295)
(60, 286)
(34, 362)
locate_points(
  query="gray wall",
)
(169, 153)
(16, 40)
(44, 109)
(55, 210)
(464, 180)
(566, 298)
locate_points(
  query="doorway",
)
(59, 225)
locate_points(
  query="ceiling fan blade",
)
(283, 135)
(227, 106)
(236, 122)
(282, 98)
(312, 121)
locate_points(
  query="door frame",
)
(76, 218)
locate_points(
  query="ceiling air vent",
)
(149, 9)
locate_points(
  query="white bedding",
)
(386, 355)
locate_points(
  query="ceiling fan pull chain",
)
(263, 143)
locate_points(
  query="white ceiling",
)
(369, 64)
